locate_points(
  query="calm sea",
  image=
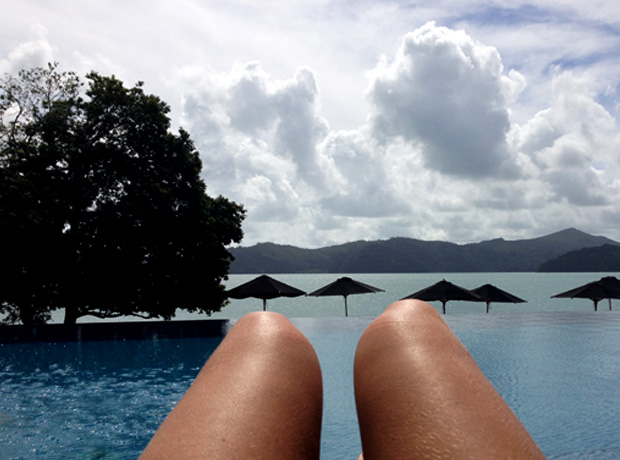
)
(554, 361)
(535, 288)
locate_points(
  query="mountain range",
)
(408, 255)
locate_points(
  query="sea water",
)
(535, 288)
(554, 361)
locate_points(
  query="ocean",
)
(535, 288)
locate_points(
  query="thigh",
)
(259, 396)
(420, 394)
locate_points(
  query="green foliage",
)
(31, 97)
(604, 258)
(103, 209)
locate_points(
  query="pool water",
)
(91, 400)
(559, 372)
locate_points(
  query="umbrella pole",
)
(264, 304)
(595, 304)
(488, 304)
(346, 307)
(443, 306)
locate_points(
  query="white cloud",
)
(255, 116)
(333, 121)
(360, 182)
(573, 144)
(447, 93)
(32, 53)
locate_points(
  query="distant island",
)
(604, 258)
(568, 250)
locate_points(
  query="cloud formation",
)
(448, 94)
(375, 120)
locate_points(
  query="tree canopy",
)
(103, 211)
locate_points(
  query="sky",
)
(334, 121)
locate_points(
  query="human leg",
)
(258, 396)
(420, 394)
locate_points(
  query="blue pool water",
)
(92, 400)
(559, 372)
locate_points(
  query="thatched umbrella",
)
(607, 287)
(345, 286)
(264, 287)
(444, 291)
(489, 293)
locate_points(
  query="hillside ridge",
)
(409, 255)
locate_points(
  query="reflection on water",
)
(103, 400)
(559, 373)
(93, 400)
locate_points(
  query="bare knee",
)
(412, 375)
(269, 327)
(261, 390)
(266, 322)
(268, 337)
(407, 330)
(408, 310)
(405, 319)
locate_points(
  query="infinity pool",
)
(560, 373)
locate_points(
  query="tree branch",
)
(105, 315)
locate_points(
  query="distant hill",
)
(407, 255)
(604, 258)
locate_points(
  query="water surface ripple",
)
(559, 372)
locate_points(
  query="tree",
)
(119, 221)
(30, 203)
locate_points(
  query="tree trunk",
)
(71, 315)
(26, 316)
